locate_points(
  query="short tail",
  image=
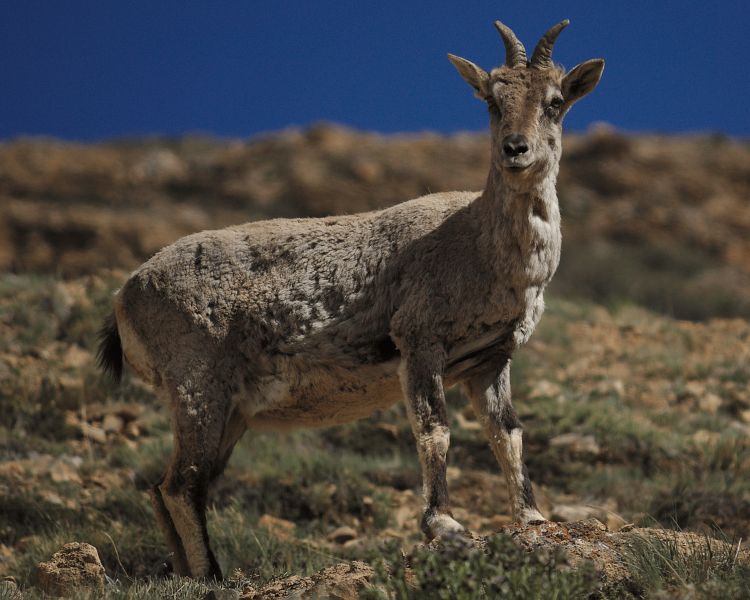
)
(109, 355)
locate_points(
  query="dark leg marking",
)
(491, 398)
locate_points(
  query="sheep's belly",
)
(321, 396)
(307, 391)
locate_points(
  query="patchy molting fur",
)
(314, 322)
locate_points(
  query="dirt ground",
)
(653, 221)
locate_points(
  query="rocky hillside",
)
(662, 221)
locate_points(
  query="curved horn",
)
(515, 53)
(542, 57)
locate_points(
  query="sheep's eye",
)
(554, 106)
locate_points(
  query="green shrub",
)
(460, 571)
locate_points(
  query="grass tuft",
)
(664, 565)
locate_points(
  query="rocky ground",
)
(583, 541)
(631, 415)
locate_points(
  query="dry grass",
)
(624, 410)
(628, 414)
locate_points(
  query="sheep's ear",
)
(476, 77)
(581, 81)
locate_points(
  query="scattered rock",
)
(604, 511)
(112, 423)
(695, 388)
(353, 544)
(562, 513)
(617, 523)
(14, 469)
(72, 567)
(611, 386)
(702, 437)
(391, 533)
(406, 517)
(710, 403)
(52, 497)
(27, 542)
(76, 357)
(38, 465)
(116, 423)
(278, 528)
(341, 582)
(132, 430)
(127, 411)
(95, 434)
(61, 471)
(343, 534)
(545, 388)
(588, 540)
(576, 443)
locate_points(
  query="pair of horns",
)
(515, 53)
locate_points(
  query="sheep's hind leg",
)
(490, 396)
(166, 524)
(204, 439)
(422, 383)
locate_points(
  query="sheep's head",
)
(527, 100)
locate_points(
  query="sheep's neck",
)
(520, 228)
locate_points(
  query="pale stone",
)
(76, 357)
(354, 544)
(703, 437)
(545, 388)
(343, 534)
(575, 442)
(563, 513)
(278, 528)
(710, 403)
(71, 568)
(391, 533)
(112, 423)
(14, 469)
(61, 471)
(96, 434)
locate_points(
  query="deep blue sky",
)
(94, 69)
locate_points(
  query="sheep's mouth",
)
(518, 168)
(517, 164)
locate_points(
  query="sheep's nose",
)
(515, 144)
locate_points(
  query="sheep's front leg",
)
(422, 373)
(490, 396)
